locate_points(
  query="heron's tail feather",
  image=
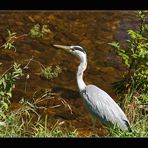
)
(128, 125)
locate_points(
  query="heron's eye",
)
(72, 49)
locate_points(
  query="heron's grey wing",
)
(102, 106)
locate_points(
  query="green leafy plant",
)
(25, 121)
(11, 39)
(39, 31)
(50, 72)
(134, 55)
(133, 86)
(6, 85)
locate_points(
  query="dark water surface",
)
(92, 30)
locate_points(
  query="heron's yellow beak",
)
(67, 48)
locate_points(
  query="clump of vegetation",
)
(36, 32)
(41, 130)
(10, 41)
(139, 130)
(134, 56)
(6, 85)
(50, 72)
(137, 114)
(25, 121)
(39, 31)
(133, 86)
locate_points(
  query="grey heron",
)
(98, 102)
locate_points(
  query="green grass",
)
(27, 122)
(139, 129)
(133, 86)
(19, 125)
(42, 131)
(137, 117)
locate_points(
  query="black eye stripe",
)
(79, 48)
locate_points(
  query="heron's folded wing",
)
(101, 105)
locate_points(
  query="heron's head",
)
(75, 50)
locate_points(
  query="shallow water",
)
(92, 30)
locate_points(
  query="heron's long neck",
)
(81, 69)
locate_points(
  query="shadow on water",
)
(91, 30)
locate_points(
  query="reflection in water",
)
(91, 30)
